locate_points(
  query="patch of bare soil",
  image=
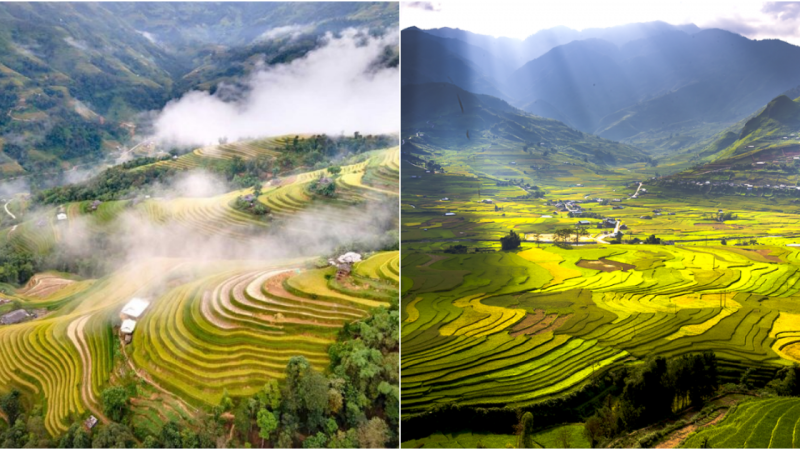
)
(550, 322)
(43, 285)
(605, 265)
(765, 253)
(675, 439)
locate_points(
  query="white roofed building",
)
(134, 308)
(128, 325)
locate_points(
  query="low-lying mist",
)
(134, 235)
(341, 87)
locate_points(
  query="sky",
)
(520, 19)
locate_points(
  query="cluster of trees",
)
(17, 266)
(653, 392)
(120, 182)
(75, 138)
(321, 150)
(653, 240)
(457, 249)
(326, 185)
(251, 204)
(354, 404)
(564, 234)
(111, 184)
(511, 241)
(786, 382)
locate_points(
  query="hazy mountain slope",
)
(771, 136)
(433, 110)
(434, 59)
(74, 77)
(518, 52)
(187, 24)
(672, 82)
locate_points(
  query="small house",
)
(450, 214)
(128, 325)
(134, 308)
(126, 330)
(61, 217)
(582, 223)
(547, 217)
(13, 317)
(90, 422)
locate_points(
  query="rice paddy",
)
(213, 326)
(510, 329)
(759, 423)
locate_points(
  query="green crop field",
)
(763, 423)
(511, 329)
(215, 327)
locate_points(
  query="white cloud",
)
(336, 88)
(286, 31)
(514, 19)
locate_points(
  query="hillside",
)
(76, 78)
(674, 82)
(433, 110)
(771, 137)
(517, 52)
(244, 302)
(656, 86)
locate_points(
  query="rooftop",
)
(128, 326)
(135, 307)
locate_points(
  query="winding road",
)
(9, 212)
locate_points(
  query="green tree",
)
(189, 439)
(115, 403)
(318, 440)
(171, 435)
(113, 435)
(267, 424)
(10, 404)
(270, 395)
(510, 242)
(525, 431)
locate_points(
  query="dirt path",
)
(146, 378)
(9, 212)
(75, 333)
(678, 436)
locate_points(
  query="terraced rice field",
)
(763, 423)
(494, 330)
(244, 150)
(211, 326)
(215, 216)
